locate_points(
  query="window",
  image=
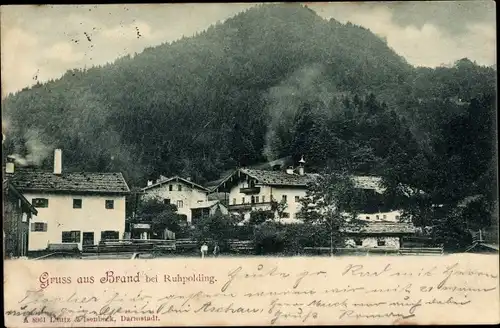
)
(166, 201)
(170, 187)
(109, 234)
(71, 236)
(243, 200)
(297, 199)
(384, 216)
(77, 203)
(256, 199)
(179, 187)
(263, 199)
(397, 217)
(40, 202)
(283, 198)
(180, 204)
(285, 215)
(358, 242)
(234, 201)
(110, 204)
(88, 238)
(380, 242)
(368, 218)
(39, 226)
(377, 217)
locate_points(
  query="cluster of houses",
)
(44, 208)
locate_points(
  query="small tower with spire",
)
(302, 162)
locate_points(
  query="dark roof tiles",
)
(280, 178)
(39, 180)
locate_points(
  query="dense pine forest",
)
(273, 81)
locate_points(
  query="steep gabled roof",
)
(280, 178)
(70, 182)
(175, 178)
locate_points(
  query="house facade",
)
(378, 234)
(178, 191)
(78, 208)
(251, 190)
(17, 214)
(206, 209)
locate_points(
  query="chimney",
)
(301, 166)
(57, 161)
(289, 170)
(188, 178)
(150, 183)
(9, 166)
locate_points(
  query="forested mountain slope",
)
(273, 81)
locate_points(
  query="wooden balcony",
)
(250, 190)
(248, 206)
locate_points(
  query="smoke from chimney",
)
(57, 161)
(37, 151)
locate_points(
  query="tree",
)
(278, 207)
(331, 202)
(260, 216)
(162, 216)
(218, 228)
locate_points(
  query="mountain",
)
(242, 92)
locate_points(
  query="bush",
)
(269, 238)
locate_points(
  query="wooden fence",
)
(376, 251)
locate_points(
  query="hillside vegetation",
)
(273, 81)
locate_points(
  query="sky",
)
(39, 43)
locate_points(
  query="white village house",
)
(73, 207)
(190, 198)
(249, 190)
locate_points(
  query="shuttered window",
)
(39, 226)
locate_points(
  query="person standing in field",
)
(204, 250)
(216, 250)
